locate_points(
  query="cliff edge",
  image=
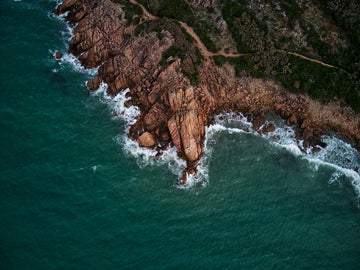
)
(178, 84)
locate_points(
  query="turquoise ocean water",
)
(76, 194)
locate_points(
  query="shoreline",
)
(175, 111)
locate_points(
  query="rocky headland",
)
(178, 93)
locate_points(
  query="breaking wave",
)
(339, 155)
(67, 59)
(129, 115)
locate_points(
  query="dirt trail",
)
(206, 53)
(146, 13)
(312, 60)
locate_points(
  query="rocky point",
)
(175, 111)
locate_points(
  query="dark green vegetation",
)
(252, 29)
(293, 11)
(183, 47)
(132, 11)
(180, 10)
(203, 29)
(346, 15)
(319, 81)
(245, 28)
(72, 197)
(173, 9)
(252, 36)
(268, 55)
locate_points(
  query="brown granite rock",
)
(58, 55)
(268, 127)
(147, 140)
(173, 110)
(94, 84)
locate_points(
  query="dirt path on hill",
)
(146, 13)
(206, 53)
(310, 59)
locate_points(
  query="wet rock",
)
(190, 170)
(268, 127)
(147, 140)
(165, 136)
(58, 55)
(128, 103)
(172, 110)
(258, 121)
(94, 84)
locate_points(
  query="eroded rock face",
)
(99, 30)
(172, 110)
(186, 124)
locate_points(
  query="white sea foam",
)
(58, 2)
(338, 155)
(68, 58)
(225, 122)
(143, 155)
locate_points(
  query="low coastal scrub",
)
(245, 28)
(266, 56)
(320, 81)
(173, 9)
(293, 11)
(180, 10)
(304, 76)
(202, 28)
(267, 51)
(132, 11)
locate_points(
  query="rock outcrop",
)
(173, 110)
(147, 140)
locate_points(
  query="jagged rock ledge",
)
(173, 111)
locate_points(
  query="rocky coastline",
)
(174, 109)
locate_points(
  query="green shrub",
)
(219, 60)
(130, 10)
(321, 82)
(173, 9)
(292, 10)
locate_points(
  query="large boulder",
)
(147, 140)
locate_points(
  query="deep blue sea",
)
(75, 193)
